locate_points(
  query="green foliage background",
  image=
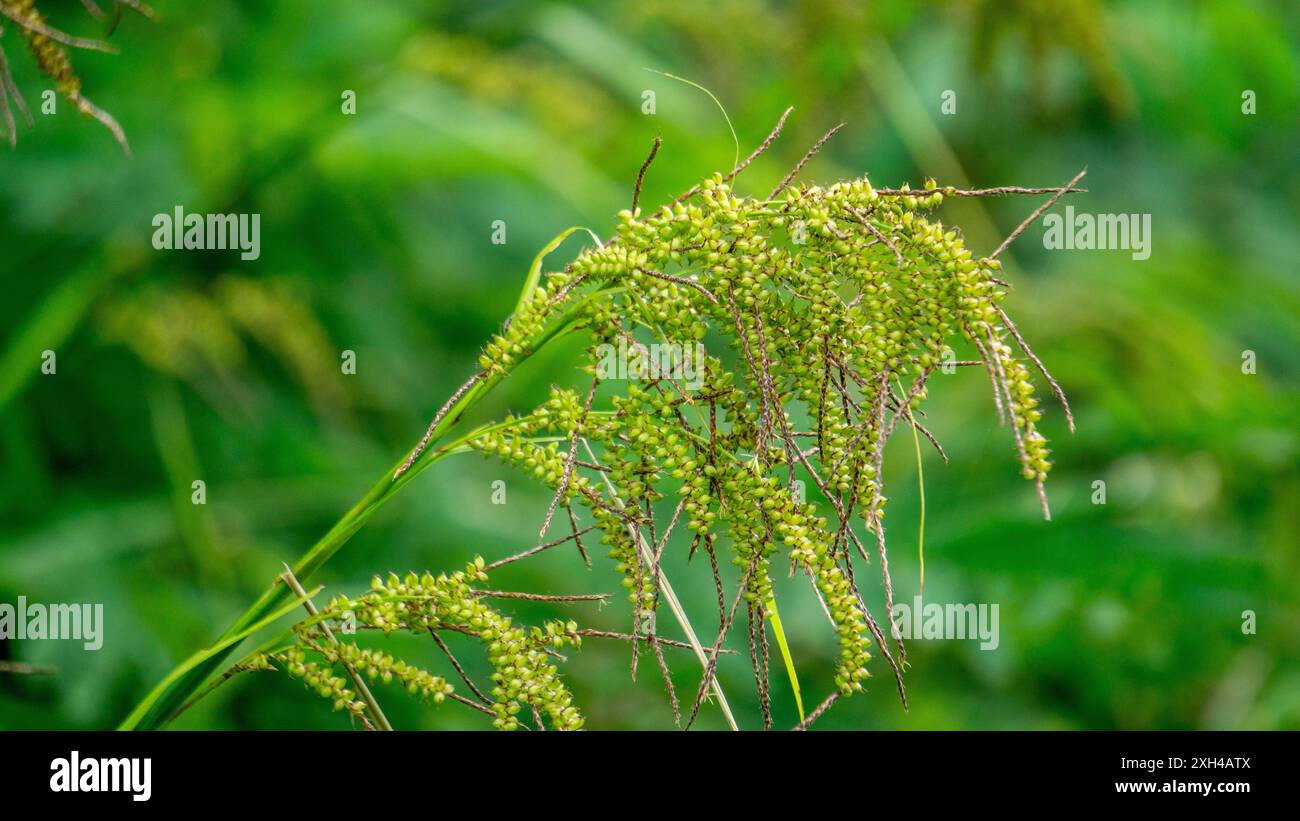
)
(376, 239)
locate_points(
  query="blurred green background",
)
(376, 238)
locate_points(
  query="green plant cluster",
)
(788, 322)
(823, 298)
(525, 674)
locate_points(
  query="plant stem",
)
(376, 713)
(184, 681)
(666, 589)
(309, 563)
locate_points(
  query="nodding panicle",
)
(48, 47)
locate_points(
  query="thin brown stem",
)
(510, 594)
(442, 645)
(433, 426)
(640, 176)
(806, 157)
(817, 713)
(1038, 212)
(608, 634)
(535, 550)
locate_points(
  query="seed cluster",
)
(813, 320)
(47, 47)
(50, 56)
(812, 306)
(522, 658)
(322, 679)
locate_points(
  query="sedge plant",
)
(802, 327)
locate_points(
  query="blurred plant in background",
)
(377, 233)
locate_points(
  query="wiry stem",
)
(1029, 352)
(817, 713)
(1001, 191)
(806, 157)
(608, 634)
(34, 24)
(437, 420)
(640, 176)
(1038, 212)
(363, 691)
(673, 604)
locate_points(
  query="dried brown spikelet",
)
(47, 47)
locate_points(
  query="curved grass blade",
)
(775, 617)
(535, 272)
(204, 655)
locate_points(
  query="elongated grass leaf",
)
(201, 656)
(535, 272)
(775, 617)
